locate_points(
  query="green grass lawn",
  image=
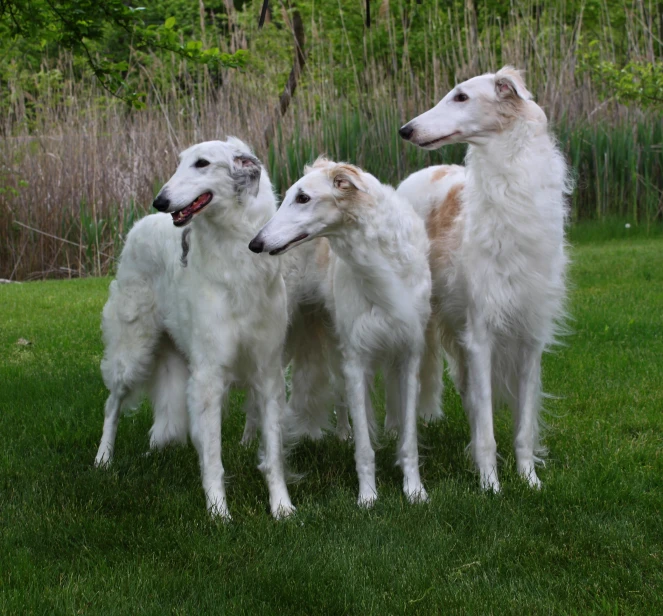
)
(136, 539)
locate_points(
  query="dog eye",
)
(302, 198)
(461, 98)
(200, 163)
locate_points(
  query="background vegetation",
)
(93, 114)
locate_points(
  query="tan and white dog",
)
(376, 285)
(497, 252)
(186, 333)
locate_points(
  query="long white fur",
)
(501, 292)
(185, 334)
(311, 352)
(376, 285)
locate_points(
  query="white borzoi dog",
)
(497, 252)
(311, 351)
(186, 332)
(377, 286)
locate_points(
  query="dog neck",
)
(508, 169)
(515, 189)
(372, 245)
(228, 230)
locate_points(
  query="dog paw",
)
(417, 495)
(391, 426)
(247, 438)
(490, 482)
(343, 432)
(367, 499)
(528, 473)
(217, 507)
(534, 482)
(431, 414)
(283, 511)
(103, 459)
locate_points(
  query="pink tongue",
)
(190, 209)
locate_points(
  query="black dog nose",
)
(161, 203)
(406, 131)
(256, 245)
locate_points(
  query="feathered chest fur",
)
(512, 259)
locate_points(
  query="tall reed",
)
(78, 168)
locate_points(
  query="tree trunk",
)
(293, 78)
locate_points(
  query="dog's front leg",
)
(408, 452)
(432, 369)
(205, 393)
(354, 374)
(526, 425)
(270, 394)
(478, 402)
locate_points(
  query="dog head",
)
(210, 175)
(326, 198)
(474, 111)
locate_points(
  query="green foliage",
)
(636, 82)
(88, 27)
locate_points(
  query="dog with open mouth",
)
(184, 335)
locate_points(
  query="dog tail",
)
(167, 392)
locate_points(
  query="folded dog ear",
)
(343, 182)
(245, 171)
(510, 83)
(346, 178)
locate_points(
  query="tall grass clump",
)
(78, 167)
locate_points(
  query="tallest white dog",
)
(497, 252)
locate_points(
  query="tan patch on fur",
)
(514, 75)
(322, 254)
(440, 173)
(353, 198)
(510, 105)
(346, 168)
(442, 229)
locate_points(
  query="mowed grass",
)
(135, 539)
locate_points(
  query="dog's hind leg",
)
(252, 418)
(167, 392)
(270, 395)
(408, 452)
(526, 428)
(127, 381)
(111, 419)
(337, 386)
(432, 369)
(310, 398)
(131, 335)
(392, 421)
